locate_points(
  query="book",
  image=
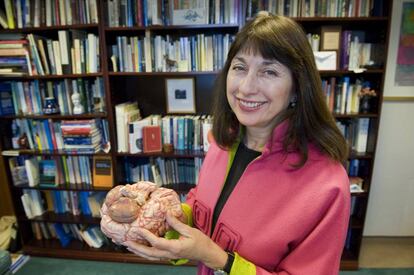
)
(136, 135)
(32, 170)
(152, 139)
(102, 171)
(361, 138)
(17, 261)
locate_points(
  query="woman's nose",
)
(248, 84)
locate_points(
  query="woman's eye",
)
(270, 72)
(237, 68)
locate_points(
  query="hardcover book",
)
(152, 139)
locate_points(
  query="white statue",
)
(77, 104)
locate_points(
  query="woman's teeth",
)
(251, 104)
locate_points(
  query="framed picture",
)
(180, 95)
(330, 37)
(399, 76)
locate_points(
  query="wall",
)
(391, 202)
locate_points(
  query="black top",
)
(242, 158)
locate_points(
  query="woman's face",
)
(258, 90)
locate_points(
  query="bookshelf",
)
(147, 87)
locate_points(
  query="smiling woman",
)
(258, 91)
(272, 196)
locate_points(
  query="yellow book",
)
(9, 13)
(102, 171)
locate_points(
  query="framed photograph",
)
(330, 38)
(180, 95)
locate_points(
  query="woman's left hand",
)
(192, 244)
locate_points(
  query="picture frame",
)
(393, 90)
(195, 16)
(180, 95)
(330, 38)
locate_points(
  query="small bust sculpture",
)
(77, 104)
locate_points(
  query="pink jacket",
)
(282, 220)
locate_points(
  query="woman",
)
(273, 197)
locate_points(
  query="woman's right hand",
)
(192, 244)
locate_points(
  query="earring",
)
(292, 103)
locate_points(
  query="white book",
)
(93, 9)
(207, 125)
(147, 52)
(37, 9)
(58, 63)
(92, 53)
(64, 50)
(62, 12)
(32, 170)
(135, 139)
(361, 137)
(68, 9)
(122, 125)
(48, 6)
(27, 205)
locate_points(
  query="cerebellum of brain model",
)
(127, 208)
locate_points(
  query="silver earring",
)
(292, 103)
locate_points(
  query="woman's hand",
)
(192, 244)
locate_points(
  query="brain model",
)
(141, 205)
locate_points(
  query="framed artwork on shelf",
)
(180, 95)
(399, 77)
(330, 38)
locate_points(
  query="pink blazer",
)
(284, 221)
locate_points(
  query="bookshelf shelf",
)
(359, 115)
(52, 28)
(352, 73)
(357, 155)
(83, 116)
(12, 153)
(341, 20)
(51, 77)
(64, 218)
(361, 195)
(138, 74)
(175, 154)
(78, 250)
(69, 187)
(173, 28)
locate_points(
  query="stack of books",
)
(82, 136)
(14, 57)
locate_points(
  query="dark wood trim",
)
(56, 117)
(78, 250)
(52, 28)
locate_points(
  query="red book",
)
(152, 139)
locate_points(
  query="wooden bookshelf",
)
(148, 88)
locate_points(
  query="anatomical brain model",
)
(141, 205)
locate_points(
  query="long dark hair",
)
(282, 39)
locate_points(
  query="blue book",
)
(63, 237)
(120, 54)
(6, 99)
(180, 134)
(84, 204)
(48, 134)
(144, 12)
